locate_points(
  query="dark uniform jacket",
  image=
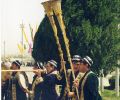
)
(5, 91)
(90, 88)
(48, 87)
(20, 94)
(37, 89)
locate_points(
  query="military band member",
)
(48, 91)
(17, 91)
(65, 95)
(88, 85)
(37, 79)
(4, 82)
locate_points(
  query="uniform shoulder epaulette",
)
(59, 77)
(38, 80)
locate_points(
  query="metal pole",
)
(22, 29)
(4, 50)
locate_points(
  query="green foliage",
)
(92, 28)
(109, 95)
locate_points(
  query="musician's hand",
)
(71, 94)
(38, 71)
(31, 92)
(76, 83)
(28, 91)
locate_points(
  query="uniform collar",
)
(53, 72)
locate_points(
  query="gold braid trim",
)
(13, 88)
(79, 76)
(82, 85)
(13, 92)
(58, 76)
(36, 82)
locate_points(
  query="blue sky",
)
(14, 12)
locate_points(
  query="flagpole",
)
(4, 50)
(22, 29)
(31, 30)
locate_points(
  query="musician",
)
(66, 95)
(17, 91)
(5, 81)
(88, 85)
(49, 82)
(37, 79)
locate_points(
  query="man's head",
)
(5, 75)
(36, 66)
(76, 62)
(16, 65)
(51, 66)
(86, 63)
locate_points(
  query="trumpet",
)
(24, 70)
(8, 72)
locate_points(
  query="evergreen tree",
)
(92, 28)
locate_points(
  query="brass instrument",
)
(21, 70)
(55, 6)
(49, 12)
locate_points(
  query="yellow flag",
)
(23, 32)
(21, 49)
(25, 36)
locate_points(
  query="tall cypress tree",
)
(92, 28)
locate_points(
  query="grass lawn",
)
(109, 95)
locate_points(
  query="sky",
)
(14, 13)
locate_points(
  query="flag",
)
(21, 49)
(24, 34)
(31, 30)
(30, 48)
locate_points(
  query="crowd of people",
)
(84, 86)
